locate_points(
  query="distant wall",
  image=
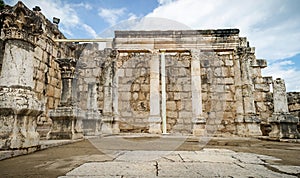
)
(294, 103)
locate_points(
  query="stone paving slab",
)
(204, 163)
(147, 169)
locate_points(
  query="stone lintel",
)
(134, 51)
(176, 33)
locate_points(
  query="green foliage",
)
(2, 4)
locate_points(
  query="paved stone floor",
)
(159, 156)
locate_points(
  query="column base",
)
(107, 125)
(116, 125)
(92, 123)
(199, 126)
(19, 110)
(284, 126)
(66, 123)
(249, 126)
(155, 125)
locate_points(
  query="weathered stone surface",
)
(67, 118)
(211, 76)
(284, 125)
(205, 163)
(19, 110)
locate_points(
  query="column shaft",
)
(198, 120)
(154, 118)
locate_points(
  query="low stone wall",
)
(294, 104)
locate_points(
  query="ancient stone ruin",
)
(200, 82)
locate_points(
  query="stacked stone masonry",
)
(213, 84)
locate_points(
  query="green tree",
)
(2, 4)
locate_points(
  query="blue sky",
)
(272, 26)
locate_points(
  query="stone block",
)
(171, 105)
(39, 86)
(177, 96)
(261, 107)
(50, 90)
(121, 73)
(228, 62)
(57, 92)
(185, 114)
(145, 88)
(125, 96)
(124, 87)
(262, 87)
(128, 72)
(88, 73)
(50, 102)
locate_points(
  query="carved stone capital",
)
(67, 66)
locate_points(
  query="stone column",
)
(115, 99)
(238, 92)
(198, 120)
(107, 120)
(163, 91)
(92, 122)
(155, 117)
(67, 118)
(251, 123)
(19, 106)
(284, 125)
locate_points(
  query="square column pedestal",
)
(66, 123)
(284, 126)
(92, 123)
(199, 126)
(19, 110)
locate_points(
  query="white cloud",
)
(272, 26)
(69, 19)
(90, 30)
(87, 6)
(111, 16)
(163, 2)
(269, 24)
(132, 16)
(284, 69)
